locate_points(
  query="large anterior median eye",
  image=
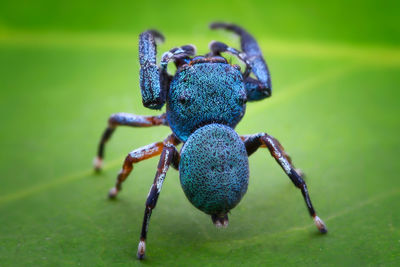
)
(184, 98)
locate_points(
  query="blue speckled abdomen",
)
(214, 169)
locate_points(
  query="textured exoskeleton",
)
(206, 98)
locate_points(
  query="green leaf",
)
(64, 68)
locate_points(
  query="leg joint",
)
(152, 198)
(113, 120)
(296, 179)
(129, 160)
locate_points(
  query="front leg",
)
(170, 155)
(217, 48)
(259, 88)
(179, 55)
(153, 83)
(253, 142)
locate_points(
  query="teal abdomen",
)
(214, 169)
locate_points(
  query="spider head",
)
(206, 90)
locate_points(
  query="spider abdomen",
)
(214, 170)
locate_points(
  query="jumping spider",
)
(206, 99)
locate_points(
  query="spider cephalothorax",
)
(206, 99)
(214, 90)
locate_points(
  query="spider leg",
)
(253, 147)
(136, 156)
(259, 88)
(217, 48)
(124, 119)
(153, 84)
(178, 55)
(253, 142)
(170, 155)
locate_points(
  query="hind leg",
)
(253, 142)
(169, 156)
(124, 119)
(252, 145)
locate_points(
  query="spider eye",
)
(183, 99)
(242, 99)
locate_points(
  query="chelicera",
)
(206, 99)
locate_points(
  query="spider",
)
(206, 99)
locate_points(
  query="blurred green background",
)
(65, 66)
